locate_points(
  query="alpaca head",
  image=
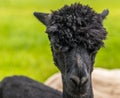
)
(76, 34)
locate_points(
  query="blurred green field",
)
(24, 47)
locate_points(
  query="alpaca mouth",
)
(77, 92)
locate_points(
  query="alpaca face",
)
(76, 34)
(76, 65)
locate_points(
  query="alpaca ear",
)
(42, 17)
(104, 13)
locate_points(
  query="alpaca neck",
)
(88, 95)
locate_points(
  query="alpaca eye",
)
(91, 51)
(59, 48)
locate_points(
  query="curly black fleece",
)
(76, 25)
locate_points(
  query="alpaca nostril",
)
(75, 80)
(84, 80)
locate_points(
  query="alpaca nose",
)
(77, 81)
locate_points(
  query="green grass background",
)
(24, 47)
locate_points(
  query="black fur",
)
(76, 25)
(24, 87)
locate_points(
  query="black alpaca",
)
(76, 34)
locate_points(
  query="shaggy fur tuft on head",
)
(77, 25)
